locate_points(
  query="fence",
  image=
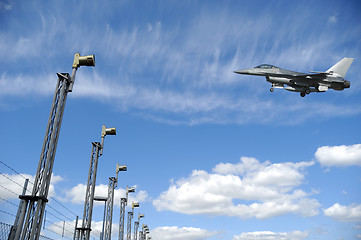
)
(5, 231)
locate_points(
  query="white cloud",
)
(69, 226)
(247, 189)
(339, 155)
(77, 194)
(176, 233)
(268, 235)
(340, 213)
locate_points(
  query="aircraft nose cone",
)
(347, 84)
(242, 71)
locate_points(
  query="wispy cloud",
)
(179, 72)
(6, 5)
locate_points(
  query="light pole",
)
(29, 226)
(113, 183)
(129, 222)
(105, 208)
(123, 203)
(145, 230)
(97, 150)
(136, 225)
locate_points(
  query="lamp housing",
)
(88, 60)
(121, 167)
(135, 204)
(130, 189)
(108, 131)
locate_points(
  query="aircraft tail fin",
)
(341, 67)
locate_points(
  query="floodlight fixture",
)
(121, 167)
(140, 215)
(135, 204)
(88, 60)
(108, 131)
(130, 189)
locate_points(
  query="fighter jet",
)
(304, 83)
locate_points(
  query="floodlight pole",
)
(136, 225)
(113, 183)
(97, 151)
(144, 231)
(123, 203)
(34, 204)
(129, 222)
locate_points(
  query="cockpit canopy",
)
(266, 66)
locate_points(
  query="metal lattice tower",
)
(129, 225)
(109, 211)
(97, 150)
(130, 217)
(123, 203)
(113, 182)
(136, 226)
(84, 231)
(121, 218)
(144, 232)
(34, 204)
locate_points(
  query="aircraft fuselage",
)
(304, 83)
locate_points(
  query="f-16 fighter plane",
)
(304, 83)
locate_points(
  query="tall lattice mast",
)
(29, 224)
(113, 183)
(83, 232)
(123, 203)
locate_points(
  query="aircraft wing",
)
(299, 75)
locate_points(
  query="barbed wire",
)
(9, 190)
(57, 233)
(8, 202)
(61, 227)
(12, 169)
(13, 181)
(7, 213)
(48, 205)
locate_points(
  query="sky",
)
(212, 154)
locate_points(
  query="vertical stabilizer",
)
(340, 68)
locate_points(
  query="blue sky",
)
(213, 154)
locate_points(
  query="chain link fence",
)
(5, 231)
